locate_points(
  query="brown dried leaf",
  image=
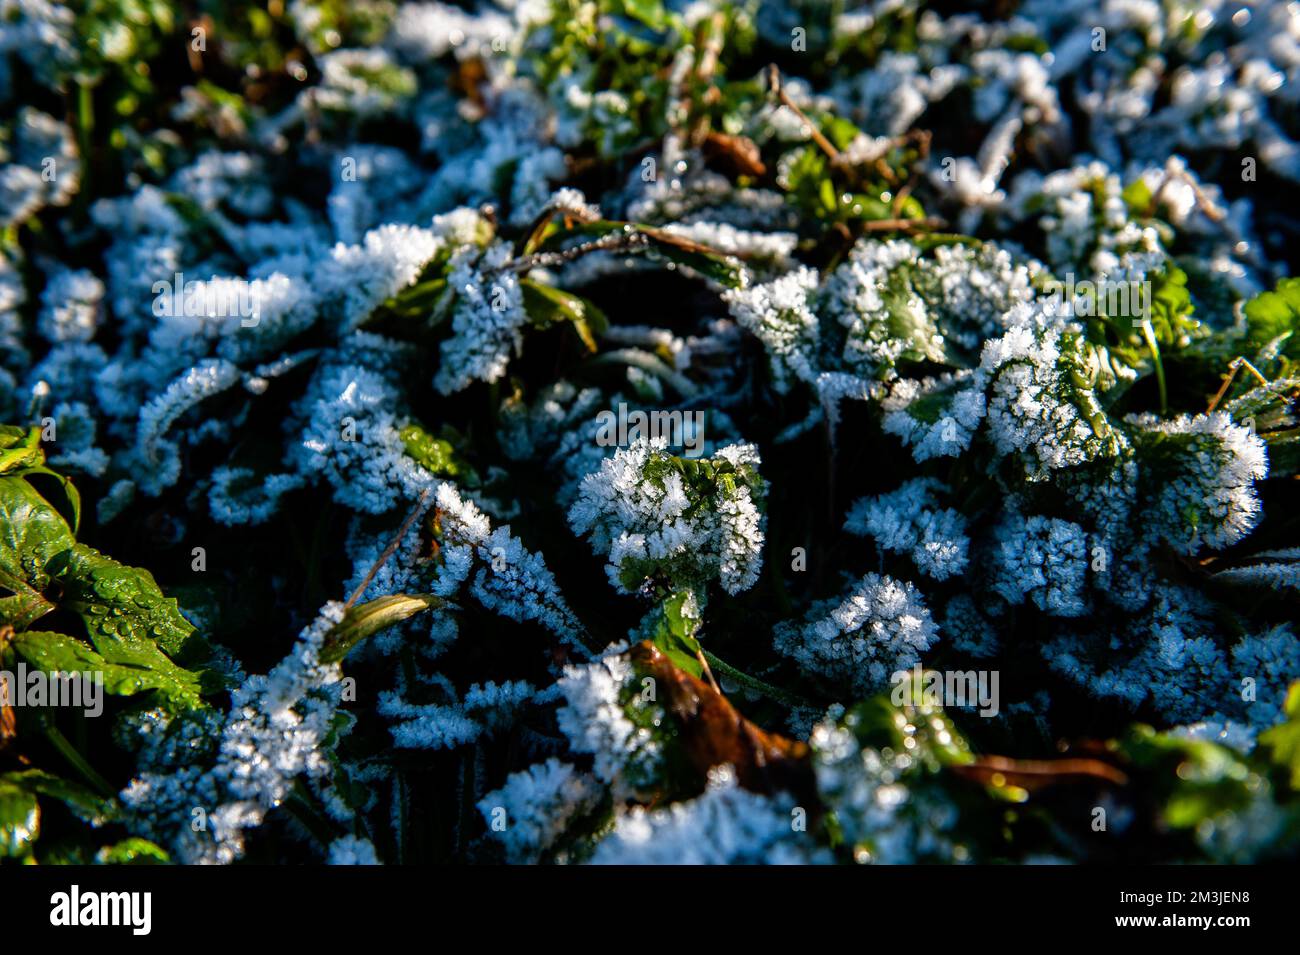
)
(1032, 775)
(737, 155)
(713, 732)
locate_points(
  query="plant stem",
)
(85, 127)
(753, 683)
(1152, 344)
(70, 753)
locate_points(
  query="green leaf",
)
(127, 669)
(119, 604)
(672, 627)
(69, 491)
(649, 12)
(1171, 307)
(433, 454)
(547, 305)
(1193, 780)
(910, 320)
(20, 820)
(1273, 319)
(1282, 742)
(369, 618)
(133, 851)
(32, 533)
(83, 803)
(1137, 196)
(883, 723)
(132, 626)
(706, 262)
(20, 448)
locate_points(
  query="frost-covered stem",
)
(610, 242)
(704, 666)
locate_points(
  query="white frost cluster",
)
(879, 628)
(595, 720)
(886, 820)
(539, 804)
(72, 305)
(352, 850)
(1043, 558)
(726, 825)
(641, 512)
(351, 437)
(358, 278)
(272, 735)
(936, 417)
(1209, 498)
(511, 580)
(909, 521)
(1036, 405)
(486, 320)
(779, 314)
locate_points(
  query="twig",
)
(1212, 212)
(923, 151)
(389, 550)
(826, 146)
(704, 664)
(610, 242)
(1233, 367)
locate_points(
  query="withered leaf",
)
(737, 155)
(714, 733)
(1032, 775)
(8, 723)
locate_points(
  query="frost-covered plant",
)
(908, 521)
(726, 825)
(543, 802)
(326, 326)
(686, 522)
(881, 627)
